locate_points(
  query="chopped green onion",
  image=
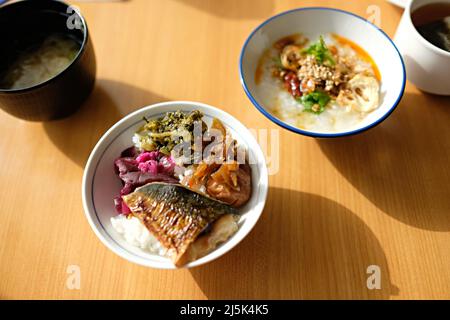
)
(315, 102)
(320, 51)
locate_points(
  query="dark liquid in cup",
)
(432, 21)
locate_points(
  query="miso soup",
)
(40, 62)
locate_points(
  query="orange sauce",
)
(360, 52)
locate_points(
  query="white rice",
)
(135, 233)
(136, 141)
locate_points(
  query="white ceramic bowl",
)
(101, 185)
(313, 22)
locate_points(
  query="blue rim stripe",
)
(310, 133)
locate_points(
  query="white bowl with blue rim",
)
(100, 184)
(313, 22)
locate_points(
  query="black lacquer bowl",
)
(30, 20)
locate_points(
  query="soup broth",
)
(432, 21)
(41, 62)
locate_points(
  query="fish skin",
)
(174, 214)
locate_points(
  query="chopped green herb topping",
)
(315, 102)
(321, 52)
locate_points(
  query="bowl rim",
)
(80, 51)
(111, 243)
(306, 132)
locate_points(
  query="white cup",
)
(427, 66)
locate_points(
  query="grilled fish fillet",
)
(221, 230)
(175, 215)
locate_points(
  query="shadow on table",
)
(76, 135)
(401, 166)
(233, 9)
(304, 247)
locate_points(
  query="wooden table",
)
(334, 208)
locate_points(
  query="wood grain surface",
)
(334, 208)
